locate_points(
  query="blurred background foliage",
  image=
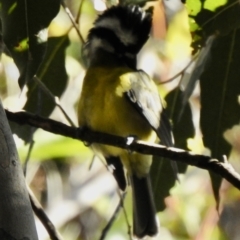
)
(193, 55)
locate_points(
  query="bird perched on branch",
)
(119, 99)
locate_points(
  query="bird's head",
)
(121, 31)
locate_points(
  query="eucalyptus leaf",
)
(162, 175)
(23, 32)
(198, 69)
(220, 90)
(52, 73)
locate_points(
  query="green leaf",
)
(53, 74)
(212, 5)
(163, 179)
(221, 21)
(220, 90)
(162, 175)
(183, 127)
(199, 67)
(193, 7)
(23, 24)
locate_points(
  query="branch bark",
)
(221, 167)
(16, 217)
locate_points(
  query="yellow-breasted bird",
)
(118, 99)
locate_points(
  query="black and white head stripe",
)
(120, 29)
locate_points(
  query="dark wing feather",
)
(144, 97)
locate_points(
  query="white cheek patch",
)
(125, 36)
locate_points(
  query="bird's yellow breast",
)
(103, 107)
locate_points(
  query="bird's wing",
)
(144, 97)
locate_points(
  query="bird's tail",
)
(144, 211)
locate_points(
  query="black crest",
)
(125, 28)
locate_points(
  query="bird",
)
(119, 99)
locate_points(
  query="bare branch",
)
(67, 10)
(112, 219)
(38, 210)
(224, 169)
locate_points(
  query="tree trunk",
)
(16, 216)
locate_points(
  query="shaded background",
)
(77, 191)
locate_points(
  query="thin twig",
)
(112, 219)
(28, 156)
(125, 215)
(54, 99)
(38, 210)
(77, 19)
(181, 72)
(73, 21)
(121, 197)
(220, 12)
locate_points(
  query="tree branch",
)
(222, 168)
(16, 217)
(42, 216)
(113, 218)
